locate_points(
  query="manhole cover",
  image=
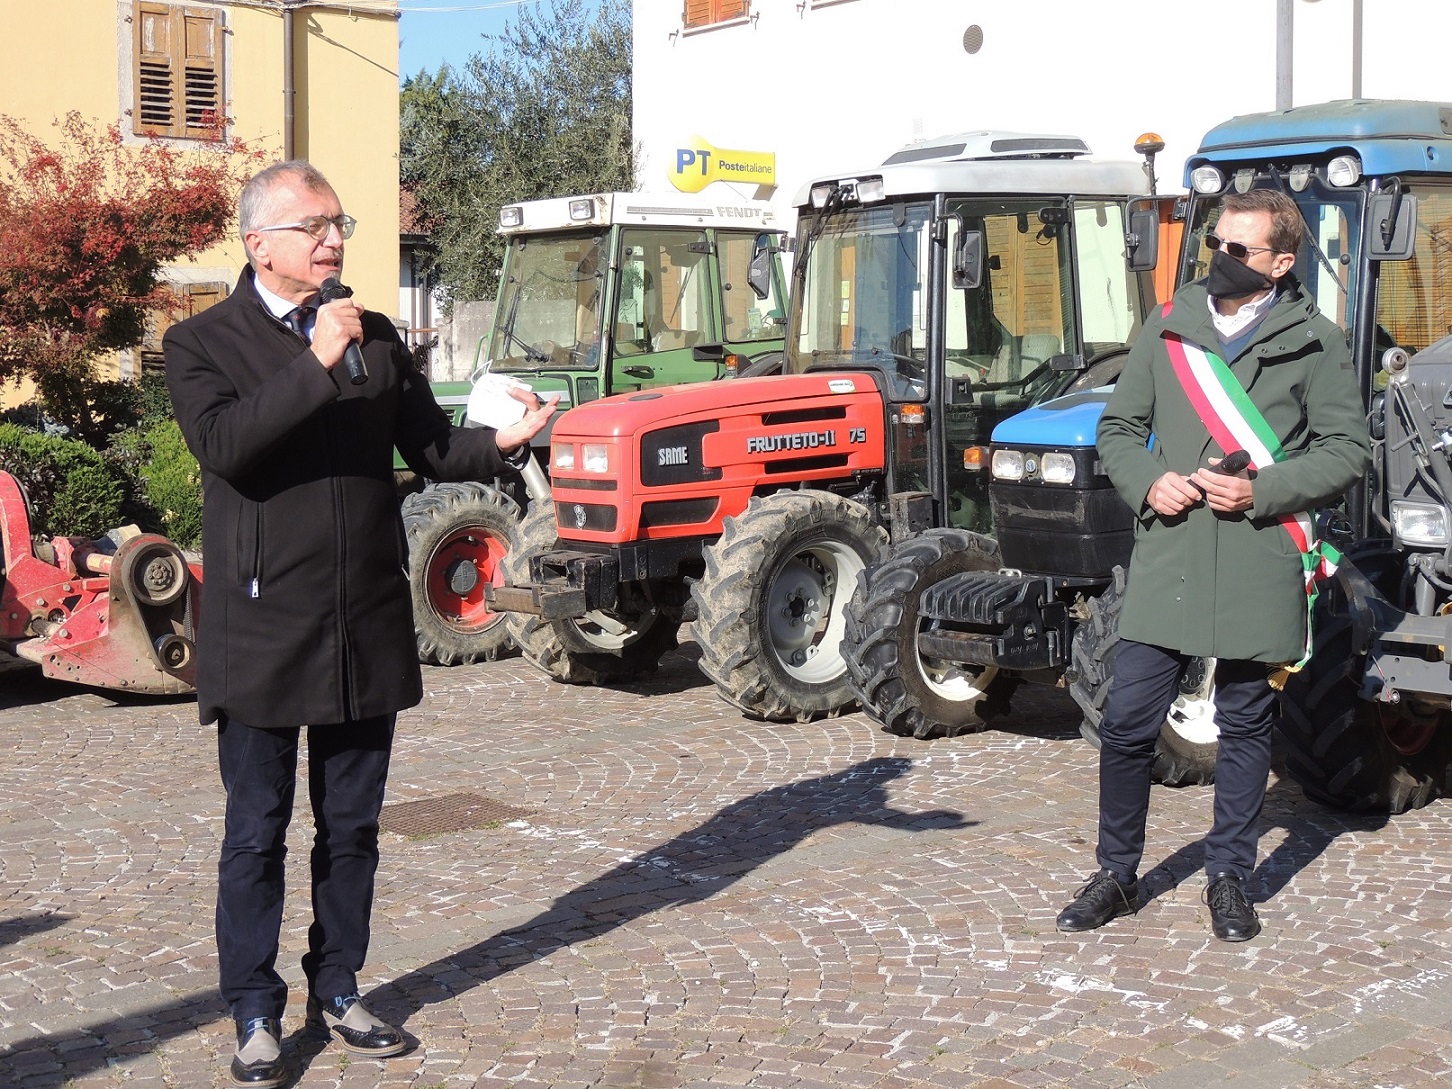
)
(450, 813)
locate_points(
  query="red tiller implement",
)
(112, 614)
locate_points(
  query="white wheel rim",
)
(610, 633)
(805, 604)
(953, 681)
(1192, 715)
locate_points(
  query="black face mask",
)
(1229, 279)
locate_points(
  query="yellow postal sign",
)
(701, 164)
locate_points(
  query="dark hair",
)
(1287, 226)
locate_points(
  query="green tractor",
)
(600, 294)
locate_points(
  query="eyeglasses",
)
(317, 226)
(1239, 250)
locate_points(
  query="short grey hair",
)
(258, 204)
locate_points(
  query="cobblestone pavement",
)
(659, 893)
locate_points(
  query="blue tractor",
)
(1366, 724)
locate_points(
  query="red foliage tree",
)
(85, 230)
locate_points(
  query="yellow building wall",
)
(345, 105)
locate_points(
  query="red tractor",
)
(117, 613)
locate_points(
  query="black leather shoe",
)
(348, 1021)
(1105, 897)
(1232, 919)
(258, 1062)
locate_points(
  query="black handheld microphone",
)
(331, 291)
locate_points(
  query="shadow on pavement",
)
(1310, 829)
(23, 926)
(693, 866)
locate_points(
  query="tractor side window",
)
(1107, 290)
(665, 292)
(747, 316)
(1414, 297)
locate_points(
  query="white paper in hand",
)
(490, 404)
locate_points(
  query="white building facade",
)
(820, 86)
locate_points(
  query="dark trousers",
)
(347, 769)
(1146, 681)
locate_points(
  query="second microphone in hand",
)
(331, 290)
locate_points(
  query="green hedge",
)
(146, 477)
(74, 491)
(172, 483)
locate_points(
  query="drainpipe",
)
(1355, 48)
(289, 91)
(1285, 54)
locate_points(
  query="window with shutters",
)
(700, 13)
(177, 74)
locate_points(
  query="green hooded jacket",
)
(1231, 586)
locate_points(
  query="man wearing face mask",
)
(1241, 360)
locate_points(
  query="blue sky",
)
(434, 32)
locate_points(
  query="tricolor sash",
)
(1236, 424)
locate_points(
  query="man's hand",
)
(536, 415)
(1225, 493)
(1172, 494)
(338, 323)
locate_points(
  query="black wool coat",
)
(306, 617)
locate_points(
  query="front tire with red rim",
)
(458, 535)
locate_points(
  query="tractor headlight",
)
(1057, 468)
(1343, 170)
(562, 456)
(595, 457)
(1419, 523)
(1008, 464)
(1207, 179)
(511, 215)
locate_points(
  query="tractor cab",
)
(974, 276)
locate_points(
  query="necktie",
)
(297, 320)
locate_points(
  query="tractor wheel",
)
(598, 648)
(1352, 754)
(770, 609)
(910, 694)
(457, 536)
(1189, 739)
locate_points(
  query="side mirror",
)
(758, 273)
(1142, 240)
(1393, 221)
(968, 261)
(1067, 362)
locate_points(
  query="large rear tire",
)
(1351, 754)
(909, 694)
(598, 648)
(1189, 739)
(458, 534)
(771, 607)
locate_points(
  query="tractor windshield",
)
(550, 302)
(864, 294)
(1327, 265)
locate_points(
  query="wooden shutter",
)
(155, 108)
(178, 70)
(706, 12)
(202, 92)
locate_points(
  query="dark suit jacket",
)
(305, 617)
